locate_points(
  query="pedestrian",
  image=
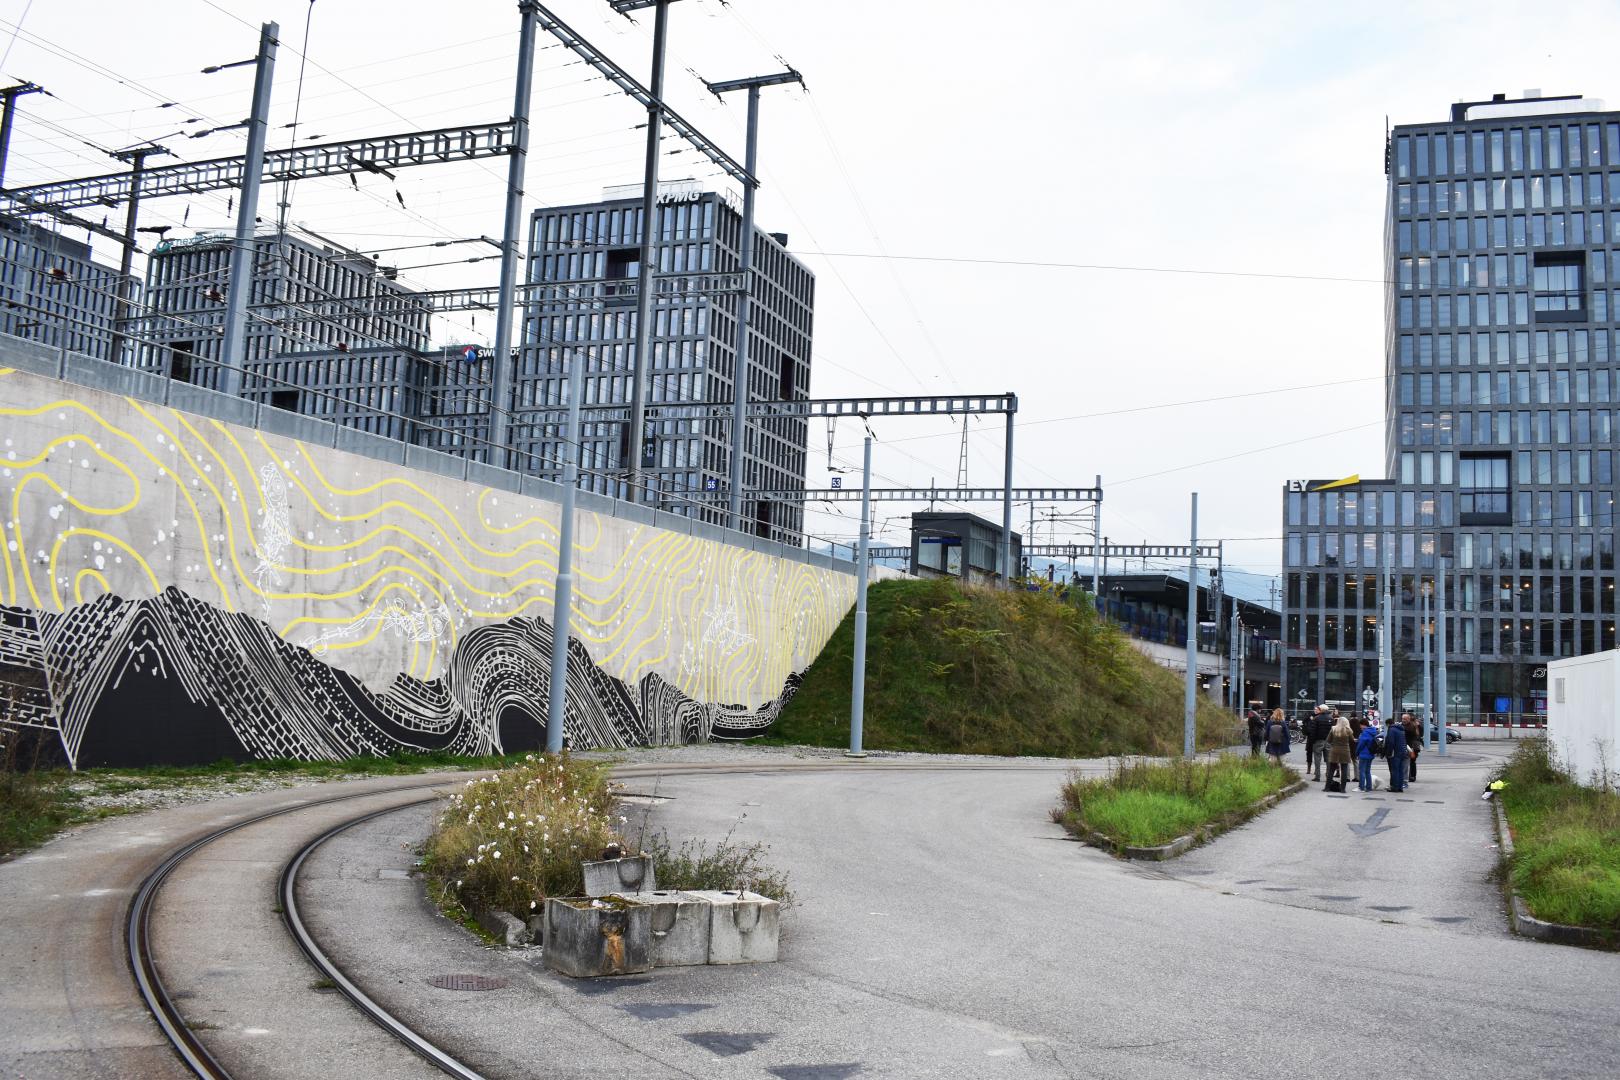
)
(1341, 743)
(1366, 750)
(1414, 747)
(1257, 732)
(1277, 737)
(1316, 736)
(1395, 749)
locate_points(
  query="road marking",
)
(1374, 824)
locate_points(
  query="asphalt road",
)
(946, 928)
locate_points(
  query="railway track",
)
(191, 1047)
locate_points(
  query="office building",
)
(589, 257)
(321, 300)
(1502, 240)
(52, 291)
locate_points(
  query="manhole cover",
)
(467, 982)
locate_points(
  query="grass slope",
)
(982, 671)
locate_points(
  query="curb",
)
(1182, 844)
(1527, 925)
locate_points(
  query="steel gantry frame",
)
(862, 407)
(465, 143)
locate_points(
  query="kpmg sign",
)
(670, 193)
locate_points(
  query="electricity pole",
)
(1096, 538)
(1386, 681)
(562, 596)
(1189, 719)
(500, 377)
(863, 568)
(233, 353)
(649, 227)
(9, 96)
(126, 263)
(745, 296)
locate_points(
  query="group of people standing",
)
(1333, 739)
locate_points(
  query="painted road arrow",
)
(1373, 825)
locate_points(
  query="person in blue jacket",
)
(1395, 750)
(1366, 743)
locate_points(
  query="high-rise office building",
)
(590, 256)
(1502, 241)
(309, 305)
(52, 291)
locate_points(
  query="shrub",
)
(510, 840)
(1566, 857)
(728, 865)
(1144, 803)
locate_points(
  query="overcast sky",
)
(1196, 191)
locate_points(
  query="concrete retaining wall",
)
(165, 571)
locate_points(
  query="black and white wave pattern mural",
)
(175, 680)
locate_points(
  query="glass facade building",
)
(1502, 256)
(51, 290)
(589, 257)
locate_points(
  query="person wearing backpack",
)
(1277, 737)
(1366, 750)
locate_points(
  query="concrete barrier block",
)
(743, 927)
(591, 936)
(633, 873)
(680, 926)
(505, 927)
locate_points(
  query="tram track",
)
(191, 1047)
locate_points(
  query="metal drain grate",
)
(467, 982)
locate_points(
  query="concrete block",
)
(680, 927)
(587, 937)
(743, 927)
(505, 927)
(633, 873)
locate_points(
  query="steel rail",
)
(287, 890)
(138, 934)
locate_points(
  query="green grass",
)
(1566, 841)
(982, 671)
(1145, 804)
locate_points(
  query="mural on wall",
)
(178, 588)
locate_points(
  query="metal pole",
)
(644, 275)
(126, 263)
(745, 298)
(857, 697)
(10, 95)
(500, 379)
(1189, 720)
(562, 602)
(1440, 688)
(1427, 705)
(1234, 693)
(233, 354)
(1096, 541)
(1386, 652)
(1006, 501)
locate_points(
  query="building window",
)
(1483, 483)
(1560, 287)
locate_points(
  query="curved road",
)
(946, 929)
